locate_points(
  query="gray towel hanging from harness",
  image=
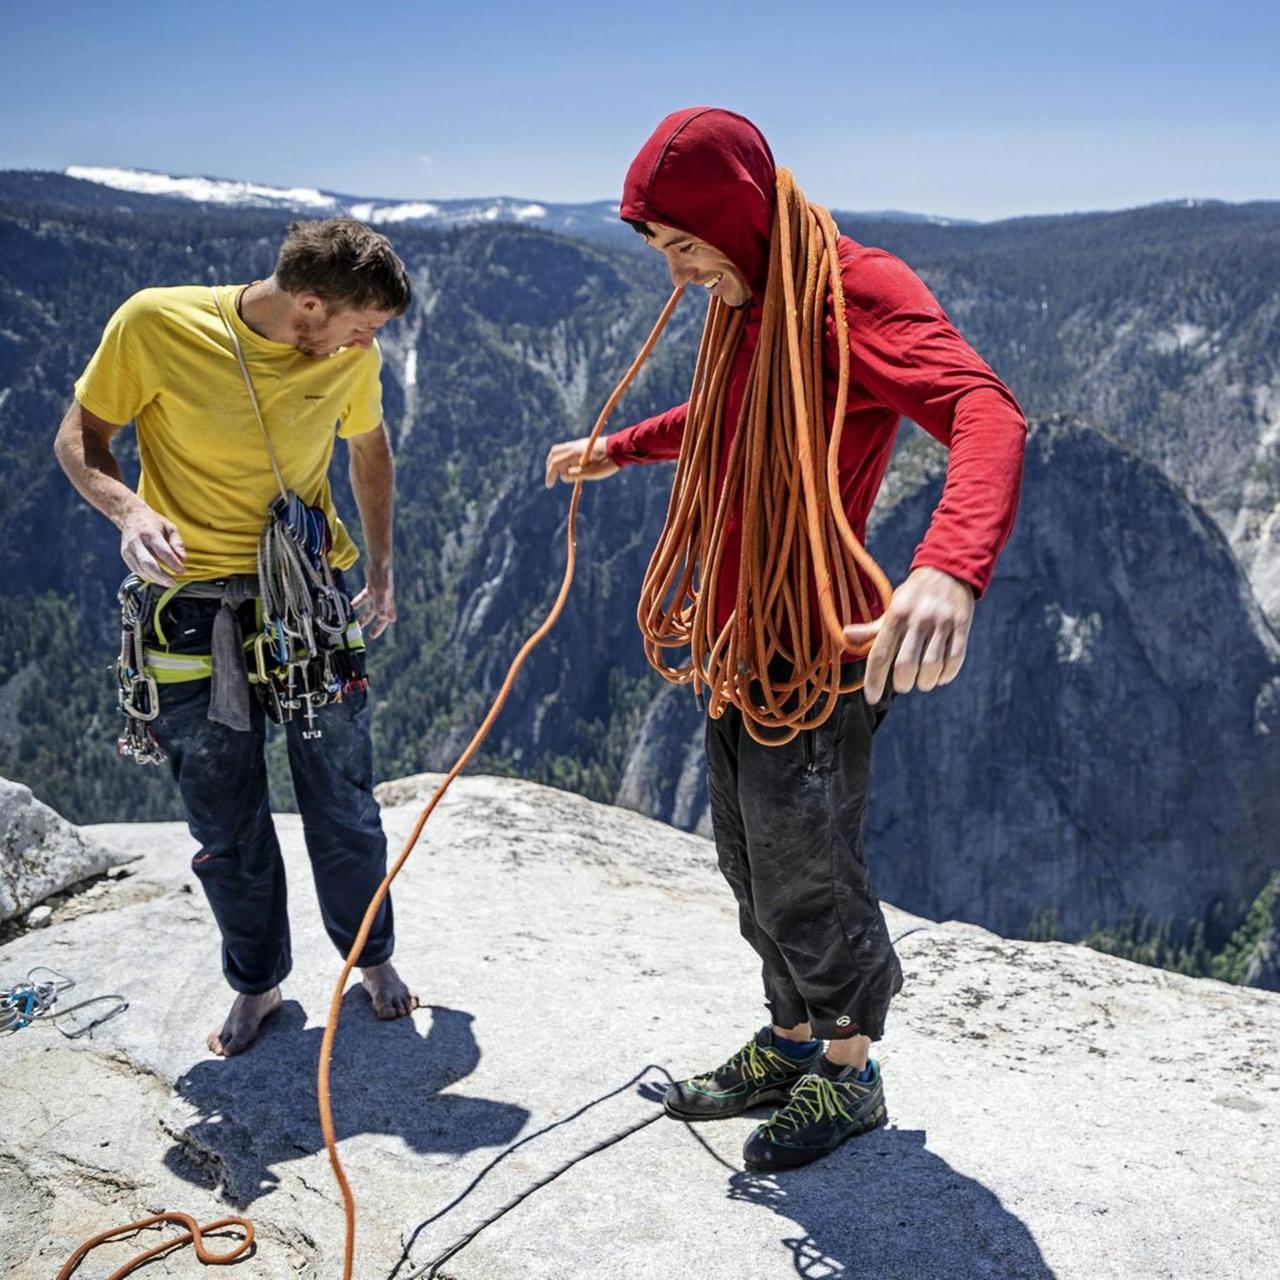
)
(229, 689)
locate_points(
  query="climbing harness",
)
(781, 667)
(286, 675)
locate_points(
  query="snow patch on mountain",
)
(203, 190)
(409, 211)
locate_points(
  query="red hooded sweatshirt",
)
(710, 173)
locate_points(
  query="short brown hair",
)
(344, 262)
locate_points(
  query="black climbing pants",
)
(788, 832)
(222, 777)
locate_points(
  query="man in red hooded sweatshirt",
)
(788, 819)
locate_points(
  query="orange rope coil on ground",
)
(794, 529)
(193, 1235)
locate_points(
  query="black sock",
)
(834, 1071)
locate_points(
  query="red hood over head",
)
(709, 172)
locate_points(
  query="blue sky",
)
(979, 110)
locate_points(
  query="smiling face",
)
(693, 261)
(320, 329)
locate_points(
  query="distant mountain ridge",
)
(375, 210)
(593, 218)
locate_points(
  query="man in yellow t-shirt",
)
(167, 361)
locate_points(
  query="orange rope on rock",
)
(797, 544)
(335, 1008)
(193, 1235)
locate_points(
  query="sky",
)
(971, 110)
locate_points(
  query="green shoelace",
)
(815, 1098)
(755, 1065)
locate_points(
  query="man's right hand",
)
(151, 546)
(563, 460)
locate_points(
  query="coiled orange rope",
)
(335, 1008)
(797, 543)
(193, 1235)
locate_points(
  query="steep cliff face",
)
(1114, 738)
(1263, 967)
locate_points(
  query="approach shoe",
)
(756, 1074)
(820, 1114)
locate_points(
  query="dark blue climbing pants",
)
(222, 777)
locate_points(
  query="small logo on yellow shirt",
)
(313, 397)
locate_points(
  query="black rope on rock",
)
(429, 1269)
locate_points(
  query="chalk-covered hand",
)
(151, 545)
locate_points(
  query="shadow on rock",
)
(258, 1110)
(884, 1206)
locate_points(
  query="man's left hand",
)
(375, 606)
(922, 635)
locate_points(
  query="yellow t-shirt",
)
(167, 363)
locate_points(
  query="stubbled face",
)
(693, 261)
(320, 329)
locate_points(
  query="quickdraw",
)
(137, 694)
(290, 676)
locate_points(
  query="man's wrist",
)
(124, 505)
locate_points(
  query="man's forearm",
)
(372, 473)
(656, 439)
(83, 451)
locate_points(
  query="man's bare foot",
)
(241, 1027)
(391, 997)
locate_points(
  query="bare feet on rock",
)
(243, 1022)
(391, 997)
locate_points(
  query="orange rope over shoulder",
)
(193, 1231)
(798, 548)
